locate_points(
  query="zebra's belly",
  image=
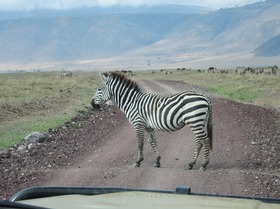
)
(166, 126)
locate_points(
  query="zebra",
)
(150, 112)
(66, 74)
(211, 70)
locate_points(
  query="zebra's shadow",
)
(237, 165)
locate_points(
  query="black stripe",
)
(196, 121)
(185, 102)
(192, 116)
(200, 106)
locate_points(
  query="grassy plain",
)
(39, 101)
(263, 90)
(32, 102)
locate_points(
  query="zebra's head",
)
(102, 94)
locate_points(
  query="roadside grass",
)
(62, 99)
(24, 87)
(12, 133)
(261, 90)
(43, 101)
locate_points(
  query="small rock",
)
(5, 154)
(254, 143)
(35, 137)
(21, 148)
(29, 146)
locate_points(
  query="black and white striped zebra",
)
(149, 112)
(65, 74)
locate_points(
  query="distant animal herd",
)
(270, 70)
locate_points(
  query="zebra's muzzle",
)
(95, 106)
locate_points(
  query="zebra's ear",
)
(104, 77)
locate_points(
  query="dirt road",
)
(245, 158)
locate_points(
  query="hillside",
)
(55, 39)
(221, 35)
(269, 48)
(141, 39)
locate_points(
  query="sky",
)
(27, 5)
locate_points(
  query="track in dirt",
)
(245, 159)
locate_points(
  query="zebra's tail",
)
(210, 127)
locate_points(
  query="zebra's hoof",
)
(189, 167)
(202, 168)
(157, 165)
(136, 165)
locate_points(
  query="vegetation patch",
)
(14, 132)
(256, 89)
(32, 102)
(240, 93)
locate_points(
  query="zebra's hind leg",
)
(153, 142)
(201, 139)
(140, 137)
(198, 146)
(206, 154)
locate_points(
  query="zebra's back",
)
(170, 113)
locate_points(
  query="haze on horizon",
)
(28, 5)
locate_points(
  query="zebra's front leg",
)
(140, 139)
(198, 146)
(206, 154)
(153, 142)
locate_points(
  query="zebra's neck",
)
(125, 97)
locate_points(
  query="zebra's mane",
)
(125, 80)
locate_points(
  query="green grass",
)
(240, 93)
(23, 87)
(14, 132)
(59, 100)
(256, 89)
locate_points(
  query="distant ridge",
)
(80, 12)
(269, 48)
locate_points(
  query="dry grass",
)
(38, 101)
(24, 87)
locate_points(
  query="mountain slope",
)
(53, 39)
(227, 31)
(269, 48)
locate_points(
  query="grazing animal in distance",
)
(66, 74)
(149, 112)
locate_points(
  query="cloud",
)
(227, 3)
(46, 4)
(69, 4)
(129, 2)
(65, 4)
